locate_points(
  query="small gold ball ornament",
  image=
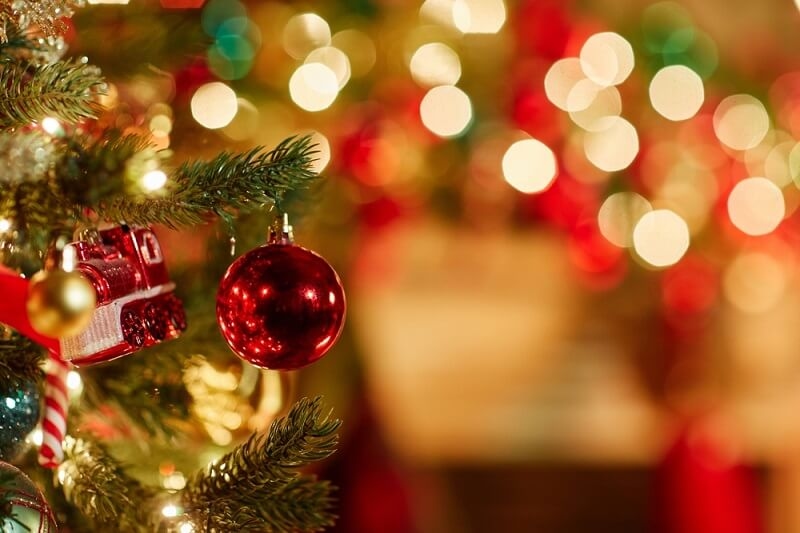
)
(60, 304)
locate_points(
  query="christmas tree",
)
(144, 443)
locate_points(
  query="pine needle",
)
(63, 90)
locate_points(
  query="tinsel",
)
(25, 157)
(46, 15)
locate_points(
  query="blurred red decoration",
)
(280, 306)
(701, 488)
(690, 287)
(543, 27)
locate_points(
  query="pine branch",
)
(257, 487)
(20, 360)
(221, 186)
(98, 486)
(94, 170)
(63, 90)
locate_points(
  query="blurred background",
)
(567, 229)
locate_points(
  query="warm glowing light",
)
(303, 33)
(754, 282)
(214, 105)
(154, 180)
(440, 12)
(313, 86)
(74, 381)
(323, 149)
(561, 79)
(160, 125)
(334, 59)
(51, 126)
(174, 481)
(446, 111)
(186, 527)
(359, 49)
(676, 92)
(479, 16)
(170, 510)
(582, 95)
(618, 216)
(5, 225)
(599, 114)
(435, 64)
(778, 165)
(607, 58)
(661, 237)
(36, 437)
(741, 122)
(756, 206)
(529, 166)
(613, 148)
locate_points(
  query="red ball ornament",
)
(280, 306)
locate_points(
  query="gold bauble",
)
(60, 304)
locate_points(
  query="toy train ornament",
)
(136, 304)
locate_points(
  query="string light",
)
(446, 111)
(313, 86)
(529, 166)
(607, 59)
(619, 215)
(613, 148)
(214, 105)
(741, 122)
(661, 238)
(756, 206)
(154, 180)
(676, 92)
(435, 64)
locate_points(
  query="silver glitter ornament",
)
(20, 406)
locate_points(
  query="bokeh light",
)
(676, 92)
(358, 47)
(607, 58)
(435, 64)
(479, 16)
(756, 206)
(619, 215)
(741, 121)
(661, 238)
(214, 105)
(613, 148)
(599, 114)
(754, 282)
(313, 86)
(154, 180)
(334, 59)
(245, 123)
(304, 33)
(446, 111)
(529, 166)
(561, 79)
(323, 149)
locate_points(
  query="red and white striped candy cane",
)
(54, 423)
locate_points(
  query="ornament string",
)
(54, 423)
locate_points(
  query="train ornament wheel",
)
(133, 328)
(156, 317)
(177, 315)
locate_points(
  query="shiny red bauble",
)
(280, 306)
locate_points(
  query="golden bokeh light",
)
(214, 105)
(529, 166)
(607, 58)
(334, 59)
(154, 180)
(599, 114)
(676, 92)
(304, 33)
(754, 282)
(582, 95)
(661, 238)
(619, 215)
(756, 206)
(741, 122)
(561, 79)
(360, 49)
(246, 122)
(323, 149)
(479, 16)
(446, 111)
(613, 148)
(435, 64)
(778, 164)
(313, 86)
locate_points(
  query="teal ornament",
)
(20, 406)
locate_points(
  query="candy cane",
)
(54, 424)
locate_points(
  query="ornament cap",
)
(281, 231)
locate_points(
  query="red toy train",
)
(136, 304)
